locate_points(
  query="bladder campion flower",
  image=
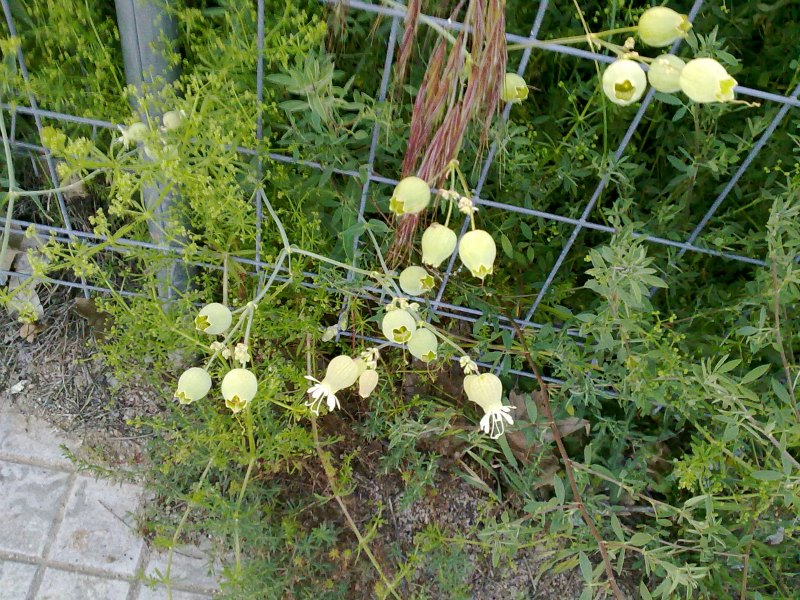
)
(398, 326)
(193, 385)
(173, 119)
(239, 387)
(213, 318)
(438, 244)
(624, 81)
(416, 281)
(411, 195)
(342, 372)
(665, 73)
(514, 88)
(477, 251)
(423, 345)
(487, 391)
(660, 26)
(132, 134)
(705, 80)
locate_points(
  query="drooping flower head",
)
(213, 319)
(398, 326)
(705, 80)
(487, 391)
(132, 134)
(665, 73)
(514, 88)
(624, 81)
(477, 251)
(193, 384)
(239, 387)
(416, 281)
(438, 243)
(660, 26)
(411, 195)
(423, 345)
(342, 372)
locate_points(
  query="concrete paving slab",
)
(64, 585)
(15, 579)
(98, 529)
(31, 439)
(31, 499)
(190, 566)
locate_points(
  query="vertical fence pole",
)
(145, 27)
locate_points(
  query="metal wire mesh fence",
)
(67, 233)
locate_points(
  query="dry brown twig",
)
(543, 402)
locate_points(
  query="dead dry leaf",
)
(29, 331)
(98, 321)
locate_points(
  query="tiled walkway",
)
(65, 535)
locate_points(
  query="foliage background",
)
(686, 466)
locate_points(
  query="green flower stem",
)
(251, 452)
(179, 529)
(573, 39)
(63, 188)
(11, 194)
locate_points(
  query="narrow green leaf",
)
(558, 486)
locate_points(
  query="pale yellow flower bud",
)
(705, 80)
(367, 382)
(665, 72)
(660, 26)
(213, 318)
(438, 244)
(477, 251)
(193, 385)
(416, 281)
(624, 81)
(398, 326)
(423, 345)
(239, 387)
(411, 195)
(514, 88)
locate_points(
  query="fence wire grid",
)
(438, 306)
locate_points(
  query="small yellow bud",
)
(398, 326)
(214, 318)
(416, 281)
(624, 81)
(411, 195)
(665, 72)
(705, 80)
(514, 88)
(660, 26)
(423, 345)
(477, 251)
(438, 243)
(239, 387)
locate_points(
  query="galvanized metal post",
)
(144, 27)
